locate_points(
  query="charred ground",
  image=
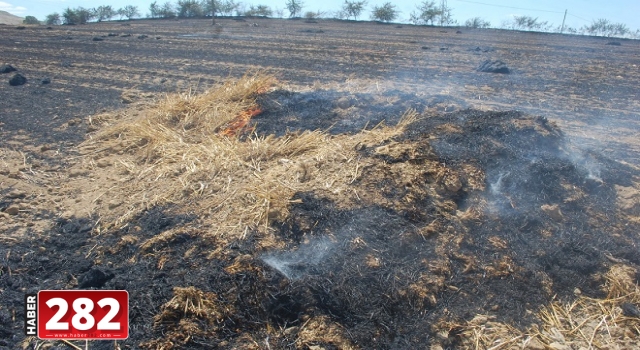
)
(458, 213)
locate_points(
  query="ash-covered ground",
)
(506, 193)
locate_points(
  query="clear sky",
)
(581, 12)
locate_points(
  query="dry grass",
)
(322, 330)
(190, 302)
(585, 323)
(190, 313)
(189, 117)
(180, 151)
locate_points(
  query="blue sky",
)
(581, 12)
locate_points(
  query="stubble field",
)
(384, 194)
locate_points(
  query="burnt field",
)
(276, 184)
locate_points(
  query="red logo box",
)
(83, 314)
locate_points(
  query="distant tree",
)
(528, 23)
(260, 10)
(128, 11)
(79, 15)
(313, 15)
(69, 16)
(523, 22)
(477, 22)
(569, 30)
(340, 14)
(264, 10)
(446, 16)
(386, 13)
(84, 15)
(189, 8)
(598, 27)
(102, 13)
(294, 7)
(604, 27)
(167, 10)
(353, 8)
(566, 30)
(210, 7)
(278, 12)
(619, 29)
(30, 20)
(154, 10)
(427, 12)
(226, 8)
(214, 7)
(52, 19)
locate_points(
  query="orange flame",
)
(239, 124)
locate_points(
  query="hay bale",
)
(490, 66)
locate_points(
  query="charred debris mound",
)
(386, 237)
(462, 214)
(479, 212)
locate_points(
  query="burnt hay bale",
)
(17, 80)
(479, 49)
(95, 278)
(496, 66)
(7, 68)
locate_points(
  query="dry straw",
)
(584, 323)
(178, 151)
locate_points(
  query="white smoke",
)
(300, 262)
(496, 186)
(586, 163)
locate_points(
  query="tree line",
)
(426, 13)
(81, 15)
